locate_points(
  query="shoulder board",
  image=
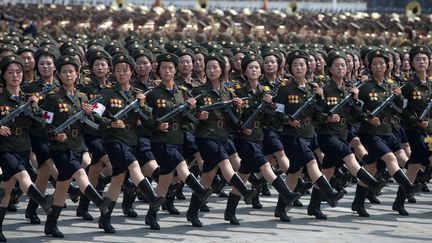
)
(52, 92)
(182, 87)
(266, 88)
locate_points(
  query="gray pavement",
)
(342, 225)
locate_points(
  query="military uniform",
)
(66, 155)
(417, 95)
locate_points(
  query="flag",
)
(99, 108)
(48, 117)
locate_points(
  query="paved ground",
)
(384, 225)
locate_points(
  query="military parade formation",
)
(98, 113)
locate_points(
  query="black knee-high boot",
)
(151, 218)
(146, 188)
(280, 211)
(2, 216)
(409, 188)
(105, 219)
(129, 195)
(74, 193)
(44, 201)
(374, 185)
(399, 203)
(359, 200)
(101, 202)
(314, 207)
(51, 223)
(230, 210)
(169, 205)
(330, 194)
(247, 194)
(203, 193)
(155, 175)
(31, 213)
(82, 209)
(282, 188)
(192, 213)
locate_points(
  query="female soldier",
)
(248, 140)
(212, 135)
(167, 138)
(375, 132)
(120, 137)
(67, 147)
(45, 68)
(417, 93)
(15, 140)
(99, 62)
(332, 129)
(298, 135)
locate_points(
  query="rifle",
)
(78, 116)
(385, 104)
(425, 114)
(346, 100)
(25, 108)
(183, 109)
(134, 105)
(298, 113)
(226, 105)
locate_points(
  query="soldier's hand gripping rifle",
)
(182, 109)
(425, 114)
(133, 106)
(299, 112)
(347, 100)
(260, 109)
(25, 108)
(81, 116)
(388, 102)
(226, 106)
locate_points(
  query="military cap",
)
(225, 52)
(157, 49)
(240, 49)
(184, 52)
(297, 54)
(71, 51)
(117, 50)
(67, 59)
(100, 54)
(250, 58)
(217, 57)
(8, 47)
(333, 55)
(48, 50)
(200, 50)
(142, 52)
(7, 60)
(270, 52)
(28, 48)
(378, 53)
(173, 46)
(419, 49)
(167, 57)
(123, 58)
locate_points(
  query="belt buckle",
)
(385, 120)
(256, 124)
(342, 121)
(220, 124)
(307, 121)
(127, 127)
(175, 126)
(74, 133)
(18, 131)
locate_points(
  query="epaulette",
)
(266, 88)
(86, 80)
(237, 85)
(109, 85)
(182, 87)
(390, 81)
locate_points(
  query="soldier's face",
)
(338, 68)
(420, 62)
(46, 66)
(13, 75)
(270, 64)
(253, 71)
(378, 66)
(312, 63)
(186, 65)
(68, 75)
(199, 63)
(227, 65)
(320, 63)
(29, 61)
(123, 72)
(350, 63)
(405, 63)
(356, 62)
(213, 70)
(143, 66)
(299, 67)
(100, 68)
(237, 61)
(167, 71)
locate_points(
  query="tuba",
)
(413, 9)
